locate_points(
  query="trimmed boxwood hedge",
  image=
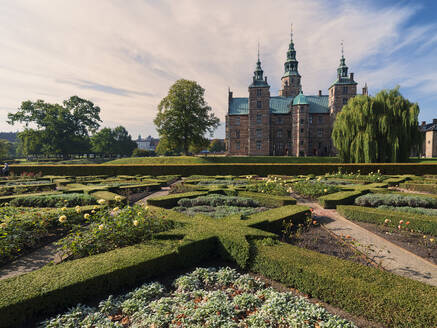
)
(4, 199)
(170, 201)
(432, 188)
(424, 223)
(234, 169)
(338, 198)
(268, 200)
(375, 294)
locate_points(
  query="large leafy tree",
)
(217, 146)
(113, 141)
(184, 117)
(59, 129)
(379, 129)
(5, 146)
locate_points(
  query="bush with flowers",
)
(110, 228)
(313, 188)
(206, 297)
(56, 200)
(272, 186)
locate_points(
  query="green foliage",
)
(61, 129)
(5, 146)
(375, 200)
(217, 146)
(57, 200)
(375, 294)
(25, 187)
(137, 152)
(113, 228)
(421, 187)
(113, 141)
(170, 201)
(268, 200)
(184, 116)
(380, 129)
(338, 198)
(313, 188)
(419, 223)
(275, 186)
(370, 177)
(408, 209)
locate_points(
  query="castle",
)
(291, 123)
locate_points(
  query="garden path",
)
(163, 192)
(390, 256)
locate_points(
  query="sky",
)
(124, 55)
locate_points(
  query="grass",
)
(222, 159)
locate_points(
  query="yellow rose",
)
(135, 222)
(86, 216)
(62, 218)
(101, 227)
(95, 207)
(77, 208)
(115, 209)
(431, 240)
(3, 225)
(325, 190)
(101, 201)
(64, 209)
(93, 211)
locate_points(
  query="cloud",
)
(125, 55)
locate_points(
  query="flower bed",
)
(313, 189)
(204, 298)
(272, 186)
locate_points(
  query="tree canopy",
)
(113, 141)
(380, 129)
(60, 129)
(184, 117)
(217, 146)
(5, 146)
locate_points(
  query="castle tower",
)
(343, 88)
(300, 125)
(291, 78)
(259, 113)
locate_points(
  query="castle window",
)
(344, 90)
(237, 145)
(311, 119)
(279, 120)
(258, 92)
(289, 134)
(301, 130)
(310, 141)
(259, 133)
(237, 121)
(237, 134)
(320, 119)
(301, 142)
(291, 80)
(302, 121)
(344, 101)
(320, 132)
(279, 134)
(258, 118)
(258, 145)
(258, 104)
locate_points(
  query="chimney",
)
(434, 121)
(265, 79)
(423, 123)
(320, 93)
(352, 76)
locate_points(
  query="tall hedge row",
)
(225, 169)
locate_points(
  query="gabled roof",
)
(281, 105)
(428, 127)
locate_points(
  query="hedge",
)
(395, 181)
(431, 188)
(136, 188)
(365, 291)
(170, 201)
(30, 187)
(424, 223)
(108, 196)
(338, 198)
(268, 200)
(234, 169)
(4, 199)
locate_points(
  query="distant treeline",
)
(9, 136)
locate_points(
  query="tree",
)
(165, 147)
(60, 129)
(5, 146)
(184, 117)
(217, 146)
(199, 146)
(379, 129)
(113, 141)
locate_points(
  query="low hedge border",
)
(395, 181)
(109, 197)
(32, 187)
(431, 188)
(268, 200)
(170, 201)
(423, 223)
(137, 188)
(339, 198)
(234, 169)
(5, 199)
(378, 295)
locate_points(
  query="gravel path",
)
(390, 256)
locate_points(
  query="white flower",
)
(135, 222)
(101, 227)
(62, 218)
(115, 209)
(101, 201)
(86, 216)
(77, 208)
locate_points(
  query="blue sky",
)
(124, 55)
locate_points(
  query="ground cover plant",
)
(57, 200)
(397, 200)
(111, 228)
(313, 188)
(218, 206)
(23, 229)
(206, 297)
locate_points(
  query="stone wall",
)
(237, 134)
(259, 122)
(431, 144)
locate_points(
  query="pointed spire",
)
(258, 79)
(342, 49)
(291, 64)
(291, 32)
(342, 68)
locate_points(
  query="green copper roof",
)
(343, 80)
(300, 99)
(281, 105)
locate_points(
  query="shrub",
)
(375, 200)
(275, 186)
(269, 200)
(313, 189)
(413, 210)
(218, 211)
(338, 198)
(218, 200)
(172, 200)
(57, 200)
(431, 188)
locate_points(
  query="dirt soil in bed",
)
(411, 241)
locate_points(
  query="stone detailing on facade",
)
(429, 148)
(292, 123)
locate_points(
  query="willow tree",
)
(379, 129)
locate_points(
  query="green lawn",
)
(222, 159)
